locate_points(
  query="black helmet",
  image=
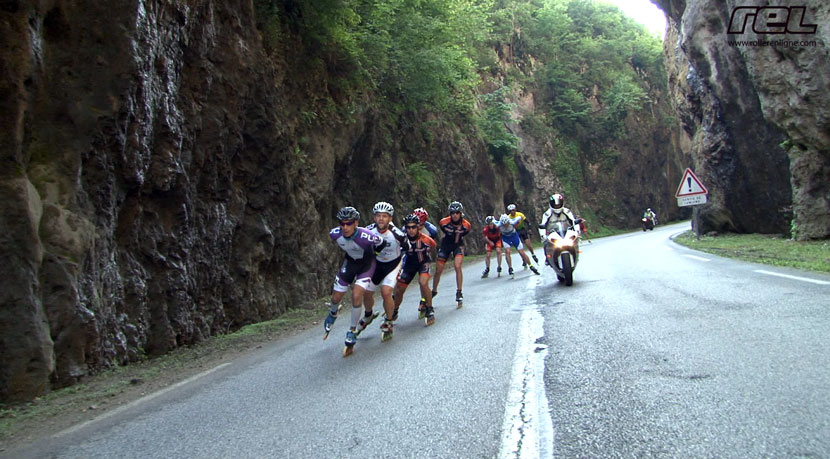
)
(411, 218)
(348, 213)
(456, 206)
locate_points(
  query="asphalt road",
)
(651, 353)
(660, 351)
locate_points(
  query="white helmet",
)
(511, 207)
(557, 201)
(489, 219)
(504, 219)
(384, 207)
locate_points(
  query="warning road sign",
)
(691, 191)
(690, 185)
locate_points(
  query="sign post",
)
(691, 191)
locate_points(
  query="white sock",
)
(357, 313)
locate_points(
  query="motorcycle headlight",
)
(562, 243)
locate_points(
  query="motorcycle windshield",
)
(560, 228)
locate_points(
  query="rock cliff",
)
(755, 109)
(167, 177)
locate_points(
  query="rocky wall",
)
(165, 178)
(756, 116)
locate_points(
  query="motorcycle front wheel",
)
(567, 269)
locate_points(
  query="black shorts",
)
(358, 271)
(410, 270)
(383, 269)
(450, 249)
(523, 234)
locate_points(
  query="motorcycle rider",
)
(556, 213)
(652, 215)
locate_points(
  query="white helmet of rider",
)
(504, 219)
(557, 201)
(384, 207)
(489, 219)
(511, 207)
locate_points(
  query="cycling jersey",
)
(522, 219)
(507, 229)
(455, 231)
(430, 230)
(395, 240)
(492, 235)
(417, 258)
(359, 263)
(361, 246)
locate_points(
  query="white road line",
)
(697, 257)
(803, 279)
(527, 431)
(139, 401)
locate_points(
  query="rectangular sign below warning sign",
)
(691, 200)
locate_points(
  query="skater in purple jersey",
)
(360, 246)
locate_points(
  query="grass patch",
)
(763, 248)
(25, 422)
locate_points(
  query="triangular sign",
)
(690, 185)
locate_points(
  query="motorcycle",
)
(648, 223)
(563, 241)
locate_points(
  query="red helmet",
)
(422, 214)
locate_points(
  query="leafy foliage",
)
(501, 143)
(589, 67)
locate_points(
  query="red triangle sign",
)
(690, 185)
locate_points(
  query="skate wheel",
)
(458, 305)
(429, 321)
(325, 336)
(385, 337)
(348, 350)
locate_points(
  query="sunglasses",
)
(411, 226)
(347, 223)
(452, 213)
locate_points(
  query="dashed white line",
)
(788, 276)
(695, 257)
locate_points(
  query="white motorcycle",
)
(563, 246)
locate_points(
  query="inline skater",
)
(492, 239)
(510, 238)
(360, 246)
(425, 226)
(416, 262)
(386, 272)
(522, 229)
(455, 227)
(556, 213)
